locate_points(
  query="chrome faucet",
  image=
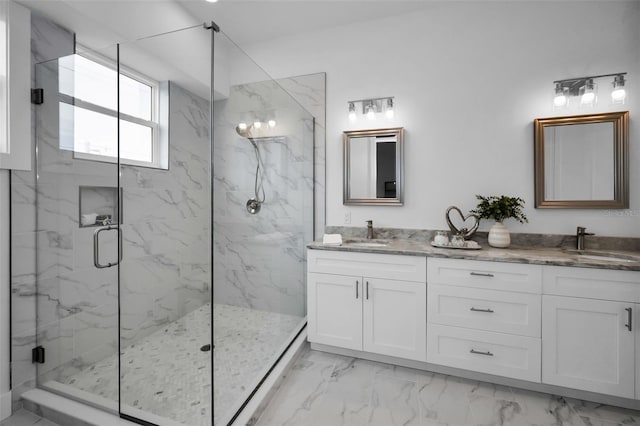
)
(369, 229)
(580, 234)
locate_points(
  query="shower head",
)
(246, 133)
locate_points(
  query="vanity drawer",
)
(516, 277)
(590, 283)
(387, 266)
(485, 352)
(490, 310)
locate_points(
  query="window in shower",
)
(89, 110)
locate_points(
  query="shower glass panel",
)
(165, 275)
(129, 173)
(77, 213)
(263, 145)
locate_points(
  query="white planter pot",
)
(499, 236)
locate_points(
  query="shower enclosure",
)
(163, 293)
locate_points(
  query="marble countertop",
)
(538, 256)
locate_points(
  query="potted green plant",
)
(500, 208)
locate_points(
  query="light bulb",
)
(257, 124)
(390, 110)
(272, 123)
(619, 94)
(588, 97)
(370, 112)
(212, 1)
(560, 99)
(242, 125)
(352, 112)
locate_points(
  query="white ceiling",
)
(100, 23)
(184, 58)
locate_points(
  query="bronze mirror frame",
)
(620, 121)
(398, 132)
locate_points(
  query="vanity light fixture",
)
(371, 107)
(272, 123)
(587, 89)
(257, 124)
(242, 125)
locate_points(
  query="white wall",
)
(5, 343)
(469, 78)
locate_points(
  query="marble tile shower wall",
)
(165, 272)
(259, 259)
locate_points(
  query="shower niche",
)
(99, 206)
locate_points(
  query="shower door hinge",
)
(37, 96)
(37, 355)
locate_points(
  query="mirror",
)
(581, 162)
(373, 167)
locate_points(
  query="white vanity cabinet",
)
(485, 317)
(589, 330)
(367, 302)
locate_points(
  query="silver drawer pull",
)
(473, 351)
(629, 323)
(489, 311)
(480, 274)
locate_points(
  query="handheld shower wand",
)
(253, 205)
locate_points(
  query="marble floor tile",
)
(394, 402)
(444, 400)
(297, 401)
(26, 418)
(599, 414)
(332, 390)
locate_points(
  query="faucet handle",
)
(369, 222)
(581, 231)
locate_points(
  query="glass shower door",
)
(78, 212)
(165, 276)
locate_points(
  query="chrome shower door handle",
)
(96, 246)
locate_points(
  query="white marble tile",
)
(394, 402)
(444, 400)
(604, 414)
(23, 212)
(527, 407)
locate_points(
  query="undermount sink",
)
(609, 257)
(373, 243)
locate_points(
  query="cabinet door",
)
(395, 318)
(586, 344)
(334, 310)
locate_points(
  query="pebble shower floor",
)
(167, 373)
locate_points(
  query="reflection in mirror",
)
(373, 167)
(581, 161)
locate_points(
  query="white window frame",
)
(156, 155)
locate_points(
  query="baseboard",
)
(5, 405)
